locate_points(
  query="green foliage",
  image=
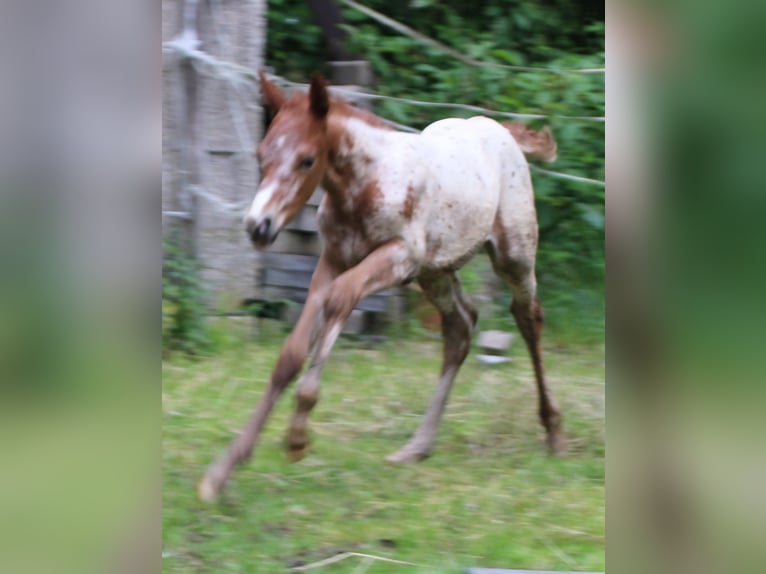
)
(294, 44)
(183, 299)
(554, 34)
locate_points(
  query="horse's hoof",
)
(206, 490)
(294, 454)
(296, 443)
(297, 449)
(407, 456)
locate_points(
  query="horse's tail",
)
(535, 145)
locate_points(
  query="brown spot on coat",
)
(368, 201)
(409, 204)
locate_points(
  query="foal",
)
(397, 207)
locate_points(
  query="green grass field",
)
(489, 496)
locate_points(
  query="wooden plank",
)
(305, 221)
(289, 261)
(281, 278)
(297, 242)
(375, 303)
(316, 197)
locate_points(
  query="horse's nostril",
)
(264, 228)
(259, 232)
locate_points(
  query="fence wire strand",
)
(426, 104)
(405, 128)
(186, 46)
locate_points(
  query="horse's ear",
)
(273, 97)
(318, 97)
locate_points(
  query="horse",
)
(397, 207)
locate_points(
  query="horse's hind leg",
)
(458, 320)
(517, 269)
(528, 314)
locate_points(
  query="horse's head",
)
(292, 155)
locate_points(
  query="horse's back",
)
(477, 154)
(479, 133)
(466, 153)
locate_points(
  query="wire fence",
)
(406, 128)
(185, 46)
(358, 94)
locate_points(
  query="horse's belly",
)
(457, 228)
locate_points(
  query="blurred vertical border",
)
(685, 284)
(80, 265)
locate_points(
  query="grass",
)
(489, 496)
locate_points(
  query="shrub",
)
(184, 326)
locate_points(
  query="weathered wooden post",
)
(211, 127)
(210, 130)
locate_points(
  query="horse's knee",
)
(338, 306)
(306, 398)
(522, 308)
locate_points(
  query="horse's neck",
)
(363, 141)
(355, 159)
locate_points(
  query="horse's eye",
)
(306, 162)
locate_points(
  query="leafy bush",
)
(184, 325)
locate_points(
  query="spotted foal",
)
(397, 207)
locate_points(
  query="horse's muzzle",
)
(262, 233)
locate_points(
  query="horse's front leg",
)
(291, 358)
(386, 266)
